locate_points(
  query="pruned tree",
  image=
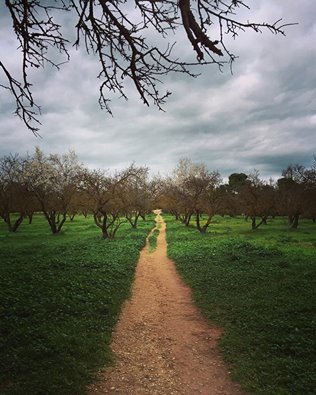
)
(182, 175)
(53, 180)
(212, 201)
(256, 199)
(137, 196)
(195, 191)
(106, 194)
(132, 40)
(296, 193)
(170, 198)
(16, 202)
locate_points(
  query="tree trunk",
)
(133, 221)
(294, 224)
(198, 224)
(61, 223)
(3, 216)
(262, 222)
(30, 217)
(105, 233)
(17, 223)
(54, 221)
(187, 219)
(102, 222)
(202, 229)
(253, 223)
(114, 230)
(12, 227)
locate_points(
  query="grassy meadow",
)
(60, 298)
(259, 287)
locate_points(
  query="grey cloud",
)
(263, 116)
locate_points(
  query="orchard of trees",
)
(60, 187)
(195, 192)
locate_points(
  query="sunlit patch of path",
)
(162, 344)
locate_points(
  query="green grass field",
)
(259, 286)
(60, 298)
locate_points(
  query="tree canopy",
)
(131, 40)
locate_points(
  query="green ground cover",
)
(259, 286)
(60, 298)
(153, 240)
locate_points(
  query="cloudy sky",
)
(262, 116)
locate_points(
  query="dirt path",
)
(162, 343)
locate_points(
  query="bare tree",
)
(296, 193)
(137, 197)
(118, 34)
(193, 190)
(53, 181)
(107, 201)
(14, 197)
(257, 199)
(170, 198)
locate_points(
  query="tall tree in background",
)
(132, 40)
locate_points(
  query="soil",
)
(162, 344)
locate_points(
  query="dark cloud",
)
(262, 116)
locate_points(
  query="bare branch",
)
(122, 42)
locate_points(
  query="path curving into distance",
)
(162, 344)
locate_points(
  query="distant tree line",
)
(60, 187)
(193, 191)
